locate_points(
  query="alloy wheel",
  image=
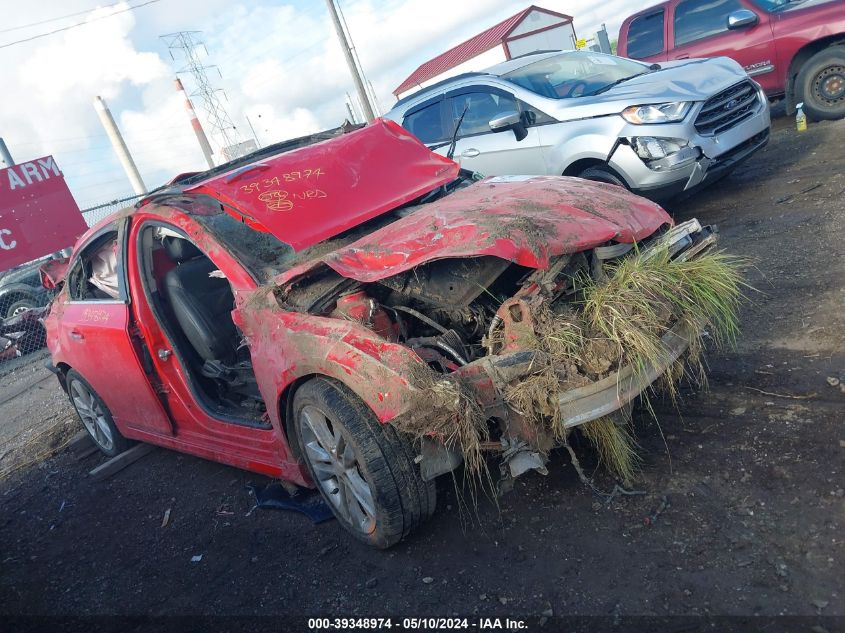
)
(336, 467)
(92, 415)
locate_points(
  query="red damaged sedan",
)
(360, 315)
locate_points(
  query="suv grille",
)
(727, 108)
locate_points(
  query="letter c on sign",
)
(6, 246)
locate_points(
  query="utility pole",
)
(350, 61)
(195, 123)
(187, 43)
(6, 159)
(119, 146)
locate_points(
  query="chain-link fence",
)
(22, 299)
(93, 215)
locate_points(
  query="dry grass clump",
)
(621, 321)
(645, 297)
(449, 412)
(616, 447)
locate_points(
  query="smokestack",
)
(119, 146)
(195, 123)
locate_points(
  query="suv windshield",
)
(574, 74)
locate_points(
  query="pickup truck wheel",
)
(20, 306)
(821, 84)
(601, 174)
(95, 415)
(364, 469)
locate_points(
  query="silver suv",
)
(658, 129)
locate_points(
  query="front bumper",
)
(719, 154)
(524, 447)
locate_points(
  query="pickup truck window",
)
(645, 35)
(696, 19)
(772, 6)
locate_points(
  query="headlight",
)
(662, 154)
(656, 113)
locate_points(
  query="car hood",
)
(310, 194)
(687, 80)
(523, 219)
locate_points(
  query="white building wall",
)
(494, 56)
(533, 21)
(560, 38)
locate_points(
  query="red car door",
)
(699, 28)
(95, 334)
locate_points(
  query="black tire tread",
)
(808, 70)
(120, 442)
(403, 500)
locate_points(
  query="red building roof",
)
(481, 43)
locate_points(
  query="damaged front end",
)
(512, 360)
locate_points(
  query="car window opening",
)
(193, 301)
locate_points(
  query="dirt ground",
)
(742, 513)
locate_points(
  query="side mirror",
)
(741, 18)
(509, 121)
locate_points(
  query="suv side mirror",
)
(509, 121)
(741, 18)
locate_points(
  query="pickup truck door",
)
(699, 28)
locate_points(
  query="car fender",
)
(596, 143)
(287, 346)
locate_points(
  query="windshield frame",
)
(535, 77)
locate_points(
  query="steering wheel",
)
(576, 89)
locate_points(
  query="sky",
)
(278, 63)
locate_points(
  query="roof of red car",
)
(310, 194)
(465, 51)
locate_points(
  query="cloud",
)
(281, 66)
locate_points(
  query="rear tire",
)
(364, 469)
(95, 415)
(821, 84)
(20, 306)
(602, 174)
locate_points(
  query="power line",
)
(186, 43)
(61, 17)
(78, 24)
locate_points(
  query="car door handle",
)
(470, 152)
(684, 56)
(76, 336)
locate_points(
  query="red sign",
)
(38, 215)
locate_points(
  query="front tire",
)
(821, 84)
(95, 415)
(364, 469)
(602, 174)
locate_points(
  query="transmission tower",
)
(185, 45)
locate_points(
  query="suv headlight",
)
(664, 153)
(656, 113)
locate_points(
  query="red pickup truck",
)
(793, 48)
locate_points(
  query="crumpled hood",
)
(686, 80)
(523, 219)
